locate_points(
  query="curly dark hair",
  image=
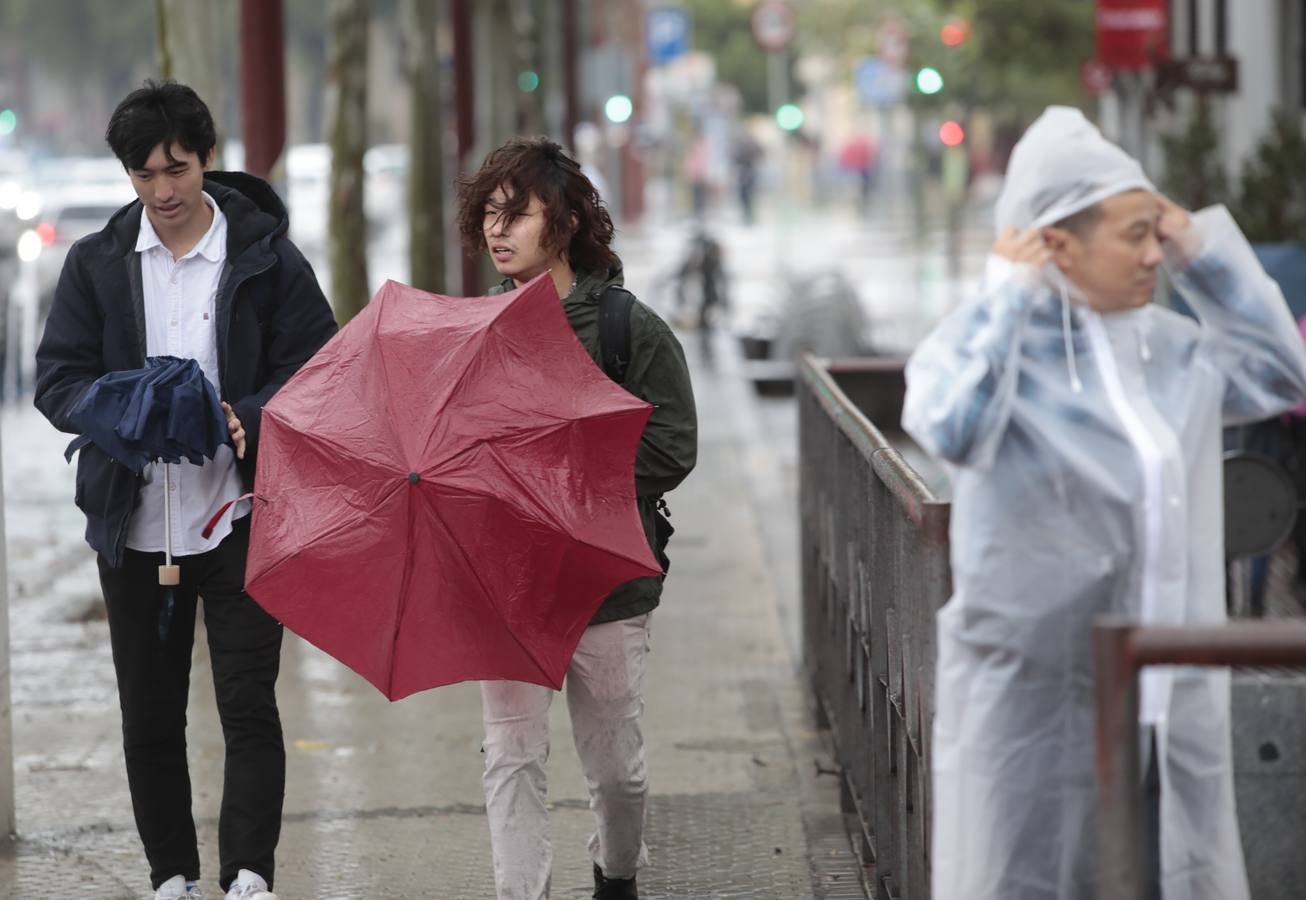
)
(575, 218)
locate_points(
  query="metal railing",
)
(1120, 650)
(874, 573)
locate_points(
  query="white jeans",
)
(605, 696)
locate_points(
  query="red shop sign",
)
(1132, 34)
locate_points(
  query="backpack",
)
(614, 349)
(614, 331)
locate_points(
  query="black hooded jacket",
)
(271, 318)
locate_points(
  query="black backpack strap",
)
(614, 331)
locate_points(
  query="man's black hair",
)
(165, 113)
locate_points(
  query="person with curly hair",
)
(534, 211)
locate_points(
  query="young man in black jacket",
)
(198, 267)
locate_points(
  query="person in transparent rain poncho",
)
(1082, 428)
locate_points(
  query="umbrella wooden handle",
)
(170, 576)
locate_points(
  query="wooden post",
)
(426, 245)
(347, 104)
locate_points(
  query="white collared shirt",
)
(181, 321)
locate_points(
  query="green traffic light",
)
(8, 122)
(618, 109)
(528, 81)
(789, 117)
(929, 81)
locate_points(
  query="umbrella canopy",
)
(165, 411)
(446, 491)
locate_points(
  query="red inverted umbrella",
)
(446, 491)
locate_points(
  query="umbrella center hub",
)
(413, 478)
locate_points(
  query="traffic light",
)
(789, 117)
(618, 109)
(528, 81)
(954, 32)
(929, 81)
(951, 134)
(8, 122)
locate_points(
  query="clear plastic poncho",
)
(1086, 461)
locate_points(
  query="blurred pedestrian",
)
(701, 274)
(1083, 424)
(696, 171)
(533, 210)
(859, 155)
(198, 267)
(746, 154)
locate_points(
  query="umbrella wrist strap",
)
(222, 511)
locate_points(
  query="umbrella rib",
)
(533, 515)
(352, 455)
(330, 532)
(516, 479)
(527, 490)
(403, 595)
(610, 552)
(472, 357)
(447, 462)
(534, 518)
(485, 591)
(391, 418)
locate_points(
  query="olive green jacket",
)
(657, 374)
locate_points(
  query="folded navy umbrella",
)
(165, 411)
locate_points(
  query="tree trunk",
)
(347, 105)
(426, 246)
(188, 52)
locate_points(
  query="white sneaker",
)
(177, 888)
(249, 886)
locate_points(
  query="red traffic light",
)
(952, 134)
(955, 32)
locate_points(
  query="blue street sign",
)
(880, 83)
(667, 28)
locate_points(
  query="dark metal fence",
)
(1121, 649)
(874, 573)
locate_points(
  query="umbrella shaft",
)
(167, 513)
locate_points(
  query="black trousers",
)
(153, 684)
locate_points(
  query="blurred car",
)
(68, 214)
(57, 173)
(233, 156)
(14, 175)
(385, 174)
(17, 195)
(308, 179)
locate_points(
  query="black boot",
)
(613, 888)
